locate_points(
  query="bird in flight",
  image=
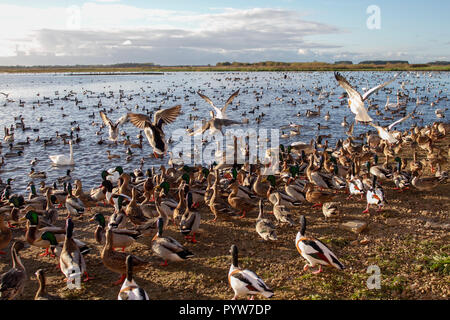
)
(220, 113)
(154, 130)
(113, 127)
(356, 100)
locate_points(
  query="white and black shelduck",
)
(245, 282)
(314, 251)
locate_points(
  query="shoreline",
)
(158, 70)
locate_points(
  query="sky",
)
(200, 32)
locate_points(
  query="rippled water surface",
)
(277, 96)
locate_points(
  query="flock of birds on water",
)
(144, 203)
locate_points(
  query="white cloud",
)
(102, 30)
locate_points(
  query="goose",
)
(130, 290)
(220, 113)
(315, 251)
(245, 282)
(63, 160)
(12, 282)
(356, 100)
(167, 247)
(113, 127)
(154, 131)
(264, 227)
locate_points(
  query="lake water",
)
(259, 89)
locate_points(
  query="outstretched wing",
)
(139, 120)
(166, 116)
(230, 99)
(106, 120)
(375, 89)
(398, 121)
(122, 120)
(218, 111)
(227, 122)
(352, 93)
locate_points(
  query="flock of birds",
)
(144, 204)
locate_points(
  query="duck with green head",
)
(122, 238)
(401, 179)
(42, 237)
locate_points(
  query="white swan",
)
(63, 160)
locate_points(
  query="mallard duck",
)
(315, 251)
(181, 206)
(375, 195)
(116, 261)
(114, 174)
(37, 175)
(239, 203)
(66, 178)
(130, 290)
(154, 130)
(330, 209)
(87, 200)
(71, 261)
(285, 200)
(425, 183)
(5, 234)
(216, 204)
(190, 221)
(38, 237)
(61, 195)
(245, 282)
(134, 211)
(317, 197)
(124, 185)
(294, 190)
(13, 281)
(261, 186)
(198, 196)
(122, 238)
(400, 178)
(378, 170)
(42, 294)
(73, 204)
(46, 237)
(264, 227)
(167, 247)
(281, 213)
